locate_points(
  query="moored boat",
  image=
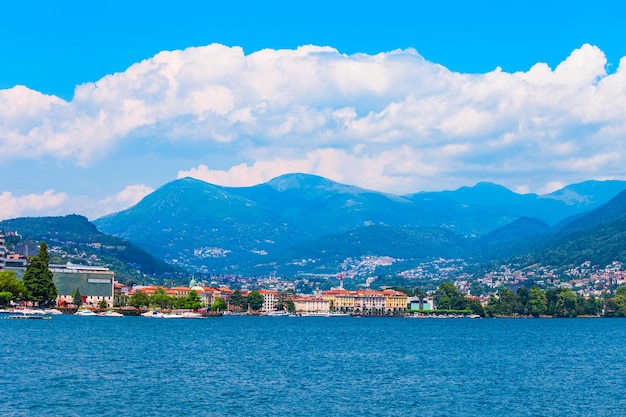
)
(110, 313)
(85, 313)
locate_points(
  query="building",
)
(308, 304)
(339, 300)
(95, 284)
(427, 303)
(27, 249)
(269, 300)
(369, 302)
(395, 301)
(3, 252)
(366, 301)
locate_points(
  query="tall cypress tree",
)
(38, 277)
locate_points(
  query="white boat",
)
(33, 312)
(277, 313)
(192, 315)
(159, 315)
(52, 311)
(111, 313)
(85, 313)
(153, 314)
(24, 314)
(172, 316)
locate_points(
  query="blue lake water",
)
(312, 366)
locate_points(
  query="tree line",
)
(36, 286)
(531, 302)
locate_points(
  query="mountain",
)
(306, 200)
(519, 236)
(295, 217)
(193, 223)
(598, 236)
(588, 194)
(74, 239)
(328, 254)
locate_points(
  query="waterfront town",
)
(97, 287)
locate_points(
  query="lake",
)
(312, 366)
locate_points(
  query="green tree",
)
(617, 305)
(219, 304)
(5, 298)
(193, 300)
(255, 300)
(102, 304)
(566, 303)
(537, 302)
(448, 297)
(291, 306)
(283, 299)
(476, 307)
(592, 306)
(139, 299)
(161, 299)
(238, 301)
(9, 283)
(77, 298)
(38, 277)
(523, 300)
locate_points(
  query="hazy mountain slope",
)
(514, 238)
(190, 222)
(323, 206)
(588, 194)
(73, 238)
(598, 236)
(209, 228)
(326, 254)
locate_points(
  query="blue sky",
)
(395, 96)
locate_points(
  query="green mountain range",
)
(300, 223)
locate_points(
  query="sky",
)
(103, 102)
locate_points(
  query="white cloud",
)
(52, 203)
(126, 198)
(390, 120)
(12, 206)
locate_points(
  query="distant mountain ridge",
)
(295, 217)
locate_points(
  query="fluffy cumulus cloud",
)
(52, 203)
(391, 121)
(128, 197)
(12, 206)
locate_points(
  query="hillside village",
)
(99, 288)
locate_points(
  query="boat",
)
(25, 314)
(277, 313)
(110, 313)
(192, 315)
(158, 315)
(86, 313)
(335, 314)
(153, 314)
(325, 314)
(172, 316)
(53, 311)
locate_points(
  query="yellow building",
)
(366, 301)
(311, 305)
(339, 300)
(395, 301)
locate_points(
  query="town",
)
(91, 286)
